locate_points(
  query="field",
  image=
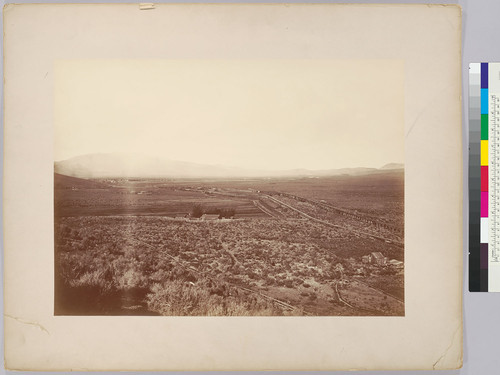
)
(270, 247)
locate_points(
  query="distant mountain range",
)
(393, 166)
(122, 165)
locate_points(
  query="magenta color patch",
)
(484, 204)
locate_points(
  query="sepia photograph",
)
(271, 187)
(222, 187)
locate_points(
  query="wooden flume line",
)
(332, 225)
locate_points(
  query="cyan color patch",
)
(484, 101)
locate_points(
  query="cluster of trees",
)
(198, 210)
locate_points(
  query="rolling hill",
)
(68, 182)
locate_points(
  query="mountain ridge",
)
(127, 165)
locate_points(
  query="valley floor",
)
(135, 248)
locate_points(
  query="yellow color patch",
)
(484, 152)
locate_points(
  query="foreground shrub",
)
(178, 298)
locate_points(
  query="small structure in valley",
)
(210, 217)
(181, 217)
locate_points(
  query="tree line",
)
(198, 210)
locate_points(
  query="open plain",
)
(319, 246)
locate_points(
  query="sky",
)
(257, 114)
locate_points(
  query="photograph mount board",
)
(425, 39)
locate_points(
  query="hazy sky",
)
(264, 114)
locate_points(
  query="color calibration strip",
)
(478, 276)
(484, 177)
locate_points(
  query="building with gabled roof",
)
(210, 217)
